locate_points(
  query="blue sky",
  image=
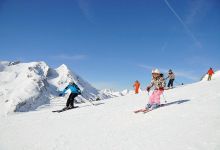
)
(112, 43)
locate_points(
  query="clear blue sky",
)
(112, 43)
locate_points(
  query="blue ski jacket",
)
(73, 88)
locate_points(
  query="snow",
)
(216, 75)
(22, 86)
(189, 121)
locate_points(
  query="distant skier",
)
(75, 91)
(158, 83)
(171, 77)
(137, 86)
(210, 73)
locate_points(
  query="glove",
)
(148, 88)
(161, 88)
(60, 94)
(79, 92)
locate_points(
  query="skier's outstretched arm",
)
(64, 91)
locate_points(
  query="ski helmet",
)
(156, 71)
(71, 83)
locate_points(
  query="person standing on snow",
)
(136, 86)
(75, 91)
(210, 73)
(158, 83)
(171, 77)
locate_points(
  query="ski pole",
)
(164, 98)
(177, 82)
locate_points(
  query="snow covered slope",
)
(190, 120)
(216, 75)
(26, 86)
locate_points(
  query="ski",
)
(64, 109)
(141, 110)
(147, 110)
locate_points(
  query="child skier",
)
(75, 91)
(136, 86)
(210, 73)
(158, 83)
(171, 77)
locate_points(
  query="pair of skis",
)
(144, 110)
(64, 109)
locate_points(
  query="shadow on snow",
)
(175, 102)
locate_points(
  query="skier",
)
(210, 73)
(75, 91)
(158, 83)
(136, 86)
(171, 77)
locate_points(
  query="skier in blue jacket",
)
(75, 91)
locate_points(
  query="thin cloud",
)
(199, 61)
(145, 67)
(70, 57)
(197, 42)
(164, 46)
(185, 74)
(197, 10)
(105, 85)
(86, 10)
(150, 68)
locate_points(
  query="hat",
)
(71, 83)
(156, 71)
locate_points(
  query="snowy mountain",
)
(61, 76)
(23, 86)
(113, 93)
(26, 86)
(190, 120)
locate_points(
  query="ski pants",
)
(70, 100)
(155, 97)
(136, 90)
(209, 77)
(170, 83)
